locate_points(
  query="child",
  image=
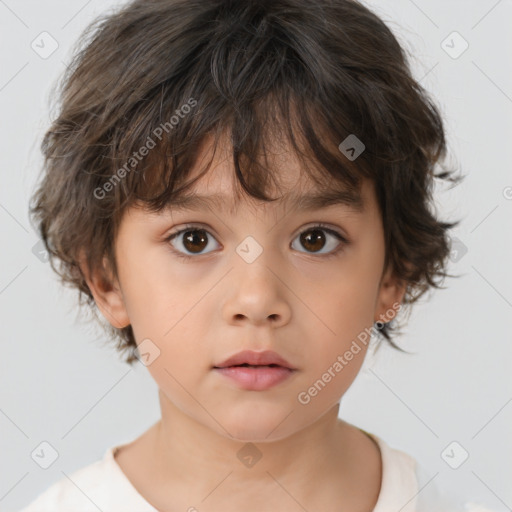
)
(289, 138)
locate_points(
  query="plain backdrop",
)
(61, 383)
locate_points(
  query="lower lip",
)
(256, 379)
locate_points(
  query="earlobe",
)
(107, 294)
(390, 296)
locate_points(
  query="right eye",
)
(194, 241)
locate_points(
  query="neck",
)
(328, 465)
(190, 446)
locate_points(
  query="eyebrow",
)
(306, 202)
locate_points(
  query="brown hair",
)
(165, 74)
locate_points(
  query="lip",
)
(259, 376)
(252, 358)
(256, 378)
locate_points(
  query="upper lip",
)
(264, 358)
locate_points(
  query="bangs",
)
(250, 135)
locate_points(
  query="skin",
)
(303, 305)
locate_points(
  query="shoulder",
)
(79, 491)
(399, 480)
(99, 486)
(407, 486)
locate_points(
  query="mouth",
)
(246, 365)
(255, 377)
(251, 359)
(255, 371)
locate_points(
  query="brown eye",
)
(316, 238)
(313, 239)
(195, 241)
(190, 241)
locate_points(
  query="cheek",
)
(156, 295)
(343, 305)
(166, 309)
(340, 318)
(358, 281)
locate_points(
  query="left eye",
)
(314, 239)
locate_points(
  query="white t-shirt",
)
(103, 486)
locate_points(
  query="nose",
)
(258, 294)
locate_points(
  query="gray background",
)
(60, 383)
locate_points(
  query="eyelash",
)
(322, 227)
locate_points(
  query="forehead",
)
(304, 201)
(220, 190)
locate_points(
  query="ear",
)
(390, 295)
(107, 293)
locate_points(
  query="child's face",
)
(307, 306)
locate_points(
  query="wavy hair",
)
(165, 74)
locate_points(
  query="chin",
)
(258, 426)
(252, 434)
